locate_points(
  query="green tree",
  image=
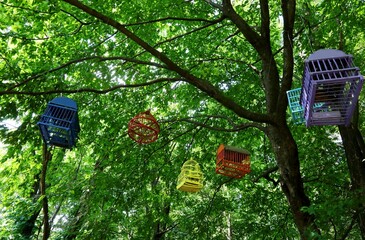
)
(212, 72)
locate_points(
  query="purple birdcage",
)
(330, 80)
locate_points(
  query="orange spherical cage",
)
(143, 128)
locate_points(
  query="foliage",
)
(109, 187)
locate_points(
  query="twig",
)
(235, 127)
(266, 175)
(214, 194)
(349, 228)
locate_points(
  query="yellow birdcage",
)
(191, 177)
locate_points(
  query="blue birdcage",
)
(59, 125)
(296, 109)
(294, 105)
(331, 80)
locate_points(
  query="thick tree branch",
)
(288, 10)
(201, 84)
(265, 20)
(250, 34)
(262, 45)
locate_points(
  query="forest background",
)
(211, 72)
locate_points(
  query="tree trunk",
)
(353, 143)
(286, 151)
(26, 229)
(46, 158)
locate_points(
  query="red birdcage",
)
(143, 128)
(232, 161)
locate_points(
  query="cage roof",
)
(326, 53)
(64, 101)
(236, 149)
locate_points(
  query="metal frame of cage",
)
(59, 124)
(331, 80)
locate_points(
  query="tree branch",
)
(265, 20)
(250, 34)
(99, 58)
(349, 228)
(235, 127)
(261, 43)
(288, 10)
(211, 23)
(170, 18)
(12, 92)
(266, 175)
(201, 84)
(215, 5)
(210, 206)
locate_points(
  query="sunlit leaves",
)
(109, 187)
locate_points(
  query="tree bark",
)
(353, 143)
(26, 229)
(46, 158)
(286, 151)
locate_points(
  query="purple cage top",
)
(330, 80)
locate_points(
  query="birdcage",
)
(59, 125)
(190, 178)
(232, 161)
(331, 80)
(295, 107)
(143, 128)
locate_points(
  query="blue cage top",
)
(64, 102)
